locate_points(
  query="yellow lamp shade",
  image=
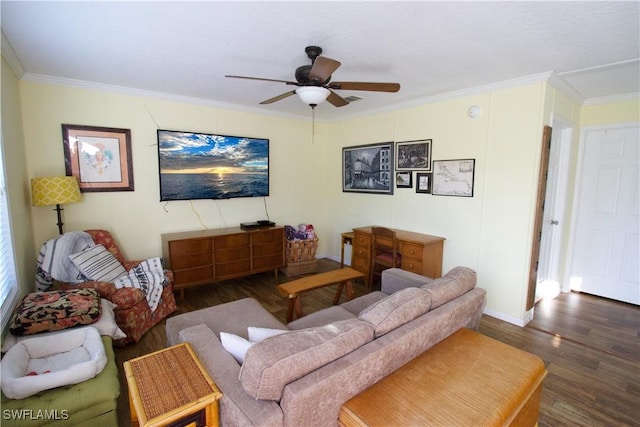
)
(54, 190)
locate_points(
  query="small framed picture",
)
(403, 179)
(414, 155)
(423, 182)
(99, 157)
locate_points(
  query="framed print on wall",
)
(99, 157)
(403, 179)
(414, 155)
(453, 177)
(368, 168)
(423, 182)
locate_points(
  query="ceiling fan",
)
(314, 82)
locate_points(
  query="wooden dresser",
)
(208, 256)
(421, 253)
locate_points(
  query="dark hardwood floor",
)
(590, 346)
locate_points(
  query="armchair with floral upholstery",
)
(133, 314)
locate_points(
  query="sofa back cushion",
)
(395, 310)
(456, 282)
(275, 362)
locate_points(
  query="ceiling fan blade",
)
(278, 98)
(336, 100)
(323, 67)
(373, 87)
(264, 80)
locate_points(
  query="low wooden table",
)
(171, 386)
(292, 289)
(467, 379)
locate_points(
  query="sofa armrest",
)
(395, 279)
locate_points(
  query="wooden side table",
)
(171, 386)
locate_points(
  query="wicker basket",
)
(298, 268)
(301, 257)
(301, 250)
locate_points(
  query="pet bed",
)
(43, 363)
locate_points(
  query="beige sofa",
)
(303, 377)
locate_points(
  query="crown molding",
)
(633, 96)
(10, 56)
(506, 84)
(561, 84)
(83, 84)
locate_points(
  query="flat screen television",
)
(208, 166)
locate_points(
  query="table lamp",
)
(55, 190)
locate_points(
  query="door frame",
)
(565, 130)
(576, 193)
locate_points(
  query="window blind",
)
(8, 282)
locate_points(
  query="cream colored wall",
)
(627, 111)
(490, 232)
(137, 218)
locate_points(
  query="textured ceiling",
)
(430, 48)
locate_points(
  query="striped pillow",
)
(97, 263)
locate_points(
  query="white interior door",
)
(606, 248)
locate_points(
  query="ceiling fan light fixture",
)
(313, 95)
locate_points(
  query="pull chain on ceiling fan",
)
(314, 82)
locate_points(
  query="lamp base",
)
(60, 223)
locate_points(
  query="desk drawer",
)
(411, 264)
(411, 250)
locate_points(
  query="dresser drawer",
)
(231, 254)
(268, 236)
(190, 246)
(182, 262)
(231, 241)
(269, 248)
(233, 269)
(192, 276)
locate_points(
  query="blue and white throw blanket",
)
(54, 263)
(147, 276)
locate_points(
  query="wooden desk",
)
(421, 253)
(292, 289)
(466, 380)
(171, 386)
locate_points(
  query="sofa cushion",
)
(257, 334)
(395, 279)
(330, 314)
(456, 282)
(55, 310)
(273, 363)
(233, 317)
(356, 305)
(396, 310)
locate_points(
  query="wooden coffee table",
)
(172, 387)
(292, 289)
(467, 379)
